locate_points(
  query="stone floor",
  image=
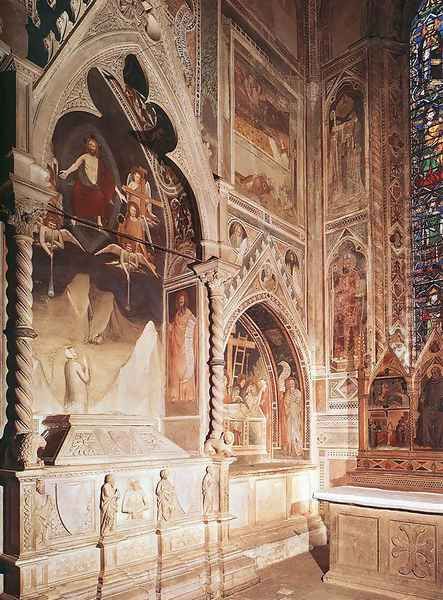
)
(299, 578)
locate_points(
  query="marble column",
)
(214, 273)
(19, 443)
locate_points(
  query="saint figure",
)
(349, 294)
(293, 413)
(430, 422)
(182, 342)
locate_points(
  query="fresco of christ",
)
(94, 185)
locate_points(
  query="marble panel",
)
(270, 499)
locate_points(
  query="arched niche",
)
(266, 392)
(124, 221)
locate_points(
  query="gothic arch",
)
(297, 340)
(62, 88)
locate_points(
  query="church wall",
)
(366, 80)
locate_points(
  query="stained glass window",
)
(426, 103)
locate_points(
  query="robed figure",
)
(182, 355)
(109, 497)
(429, 430)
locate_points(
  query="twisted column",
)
(19, 444)
(214, 273)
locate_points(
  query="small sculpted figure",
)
(43, 508)
(109, 498)
(77, 379)
(167, 502)
(210, 491)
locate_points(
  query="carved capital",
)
(215, 273)
(26, 447)
(25, 216)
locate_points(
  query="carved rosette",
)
(19, 443)
(214, 273)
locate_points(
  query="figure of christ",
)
(182, 341)
(94, 185)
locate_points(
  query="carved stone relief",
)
(412, 550)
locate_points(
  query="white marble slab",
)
(422, 502)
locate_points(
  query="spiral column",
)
(19, 444)
(214, 273)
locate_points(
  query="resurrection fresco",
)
(98, 264)
(265, 151)
(426, 96)
(263, 390)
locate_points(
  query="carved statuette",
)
(210, 491)
(168, 506)
(109, 498)
(42, 513)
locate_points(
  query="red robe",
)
(89, 199)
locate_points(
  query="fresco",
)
(264, 148)
(389, 429)
(247, 389)
(346, 149)
(389, 392)
(293, 263)
(429, 422)
(239, 240)
(182, 353)
(98, 265)
(348, 307)
(264, 402)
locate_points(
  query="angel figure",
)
(138, 191)
(50, 230)
(132, 252)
